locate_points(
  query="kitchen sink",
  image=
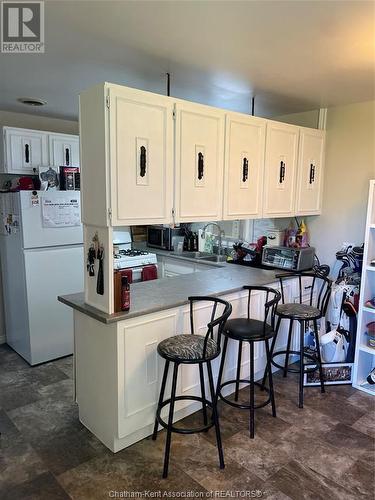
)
(214, 258)
(197, 255)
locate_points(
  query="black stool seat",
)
(298, 311)
(187, 348)
(248, 329)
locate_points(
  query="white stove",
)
(130, 258)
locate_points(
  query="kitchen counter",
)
(166, 293)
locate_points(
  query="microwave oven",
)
(161, 237)
(290, 259)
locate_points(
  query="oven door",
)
(155, 237)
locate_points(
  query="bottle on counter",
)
(125, 294)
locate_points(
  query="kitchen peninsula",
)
(152, 159)
(117, 369)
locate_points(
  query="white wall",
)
(350, 164)
(304, 119)
(24, 120)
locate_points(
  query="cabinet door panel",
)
(310, 172)
(244, 165)
(199, 162)
(280, 170)
(26, 151)
(63, 150)
(141, 158)
(141, 368)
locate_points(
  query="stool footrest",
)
(164, 424)
(295, 370)
(238, 405)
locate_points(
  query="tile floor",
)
(325, 451)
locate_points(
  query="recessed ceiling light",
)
(31, 101)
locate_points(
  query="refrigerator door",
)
(51, 272)
(34, 232)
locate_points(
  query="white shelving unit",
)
(365, 355)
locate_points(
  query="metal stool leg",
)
(251, 389)
(290, 332)
(215, 415)
(272, 349)
(238, 376)
(301, 363)
(170, 421)
(161, 397)
(204, 408)
(221, 369)
(321, 375)
(270, 379)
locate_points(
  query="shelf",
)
(365, 386)
(366, 348)
(368, 309)
(370, 268)
(372, 226)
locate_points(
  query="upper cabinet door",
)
(63, 150)
(25, 151)
(280, 170)
(141, 157)
(310, 172)
(199, 162)
(244, 166)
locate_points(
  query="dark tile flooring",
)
(325, 451)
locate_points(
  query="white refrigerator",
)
(41, 251)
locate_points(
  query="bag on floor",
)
(333, 347)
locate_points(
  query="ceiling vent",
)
(31, 101)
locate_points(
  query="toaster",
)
(290, 259)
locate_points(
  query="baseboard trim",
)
(3, 339)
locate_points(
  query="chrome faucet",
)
(221, 233)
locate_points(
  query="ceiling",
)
(292, 55)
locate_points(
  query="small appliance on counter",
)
(291, 259)
(162, 237)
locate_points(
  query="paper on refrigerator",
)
(62, 210)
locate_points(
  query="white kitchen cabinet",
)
(310, 172)
(280, 170)
(244, 166)
(23, 151)
(63, 150)
(199, 162)
(141, 156)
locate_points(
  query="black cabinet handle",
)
(67, 157)
(27, 153)
(142, 162)
(312, 173)
(200, 166)
(282, 172)
(245, 169)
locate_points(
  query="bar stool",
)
(193, 349)
(313, 298)
(251, 331)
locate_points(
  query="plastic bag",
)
(333, 347)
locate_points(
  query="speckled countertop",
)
(165, 293)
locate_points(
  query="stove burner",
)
(131, 253)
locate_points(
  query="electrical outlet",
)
(236, 229)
